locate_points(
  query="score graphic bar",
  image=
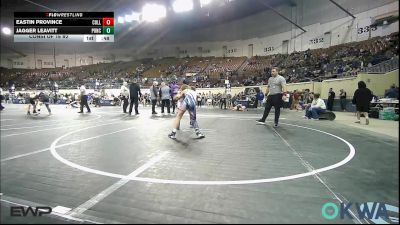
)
(63, 14)
(63, 26)
(58, 22)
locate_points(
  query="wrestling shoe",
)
(200, 135)
(260, 122)
(172, 135)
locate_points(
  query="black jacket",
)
(362, 98)
(331, 96)
(134, 91)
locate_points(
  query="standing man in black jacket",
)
(331, 98)
(362, 98)
(134, 95)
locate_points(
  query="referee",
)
(125, 95)
(276, 90)
(84, 101)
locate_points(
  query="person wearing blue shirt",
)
(393, 92)
(260, 98)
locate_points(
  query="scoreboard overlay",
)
(63, 26)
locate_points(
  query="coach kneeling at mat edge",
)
(317, 108)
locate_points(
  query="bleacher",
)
(165, 66)
(376, 55)
(383, 67)
(223, 65)
(198, 64)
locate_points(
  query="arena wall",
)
(317, 87)
(347, 84)
(377, 83)
(267, 38)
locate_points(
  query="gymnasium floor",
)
(107, 167)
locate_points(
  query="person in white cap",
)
(125, 96)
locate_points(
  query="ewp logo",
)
(378, 213)
(35, 211)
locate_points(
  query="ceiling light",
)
(153, 12)
(204, 2)
(6, 30)
(182, 5)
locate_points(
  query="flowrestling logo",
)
(376, 212)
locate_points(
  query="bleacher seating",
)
(379, 54)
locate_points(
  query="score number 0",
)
(108, 21)
(108, 25)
